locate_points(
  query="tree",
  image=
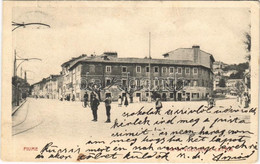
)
(240, 87)
(172, 87)
(247, 43)
(130, 88)
(222, 82)
(96, 87)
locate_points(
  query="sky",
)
(76, 31)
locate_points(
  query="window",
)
(138, 82)
(92, 68)
(171, 70)
(171, 82)
(147, 69)
(171, 95)
(108, 68)
(147, 82)
(156, 82)
(108, 82)
(156, 69)
(164, 70)
(195, 70)
(124, 69)
(187, 70)
(138, 69)
(179, 70)
(147, 94)
(124, 82)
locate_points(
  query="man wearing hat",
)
(94, 107)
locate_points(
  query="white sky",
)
(76, 31)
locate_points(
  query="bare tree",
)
(247, 43)
(172, 87)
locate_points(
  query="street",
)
(68, 124)
(50, 117)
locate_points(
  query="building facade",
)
(47, 87)
(184, 74)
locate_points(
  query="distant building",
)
(232, 82)
(47, 87)
(219, 65)
(230, 72)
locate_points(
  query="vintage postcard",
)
(130, 81)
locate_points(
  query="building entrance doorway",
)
(179, 96)
(187, 96)
(138, 95)
(164, 97)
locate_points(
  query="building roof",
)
(188, 51)
(73, 59)
(51, 77)
(100, 59)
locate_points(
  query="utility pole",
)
(149, 98)
(15, 78)
(14, 63)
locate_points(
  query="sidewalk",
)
(15, 108)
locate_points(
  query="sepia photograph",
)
(130, 81)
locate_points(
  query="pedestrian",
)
(85, 99)
(108, 108)
(94, 107)
(211, 102)
(246, 102)
(73, 97)
(126, 101)
(119, 101)
(158, 105)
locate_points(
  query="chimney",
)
(110, 54)
(196, 50)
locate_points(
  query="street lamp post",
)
(127, 77)
(16, 26)
(15, 74)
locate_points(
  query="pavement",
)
(15, 108)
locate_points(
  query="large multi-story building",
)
(183, 74)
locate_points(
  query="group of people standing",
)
(94, 103)
(123, 101)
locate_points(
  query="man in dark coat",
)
(94, 107)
